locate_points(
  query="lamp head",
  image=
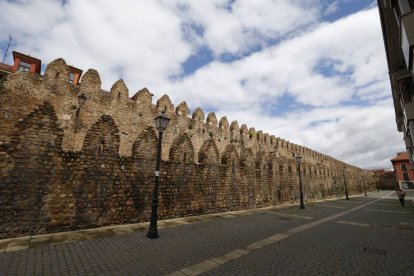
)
(81, 98)
(161, 121)
(298, 159)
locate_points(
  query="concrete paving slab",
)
(278, 237)
(227, 216)
(220, 260)
(266, 242)
(57, 239)
(3, 245)
(170, 224)
(120, 231)
(233, 255)
(76, 236)
(254, 246)
(36, 241)
(177, 273)
(295, 216)
(17, 245)
(354, 223)
(102, 234)
(332, 206)
(139, 228)
(199, 268)
(227, 257)
(242, 251)
(386, 211)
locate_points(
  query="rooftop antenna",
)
(7, 49)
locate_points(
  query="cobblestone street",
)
(364, 235)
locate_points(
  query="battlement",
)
(134, 114)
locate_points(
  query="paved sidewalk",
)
(270, 241)
(32, 241)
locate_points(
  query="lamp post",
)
(81, 100)
(346, 189)
(365, 187)
(161, 122)
(298, 160)
(378, 183)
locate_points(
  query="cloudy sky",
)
(313, 72)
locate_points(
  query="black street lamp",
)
(365, 187)
(81, 100)
(298, 160)
(161, 122)
(346, 189)
(378, 183)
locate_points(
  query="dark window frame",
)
(405, 176)
(24, 66)
(71, 77)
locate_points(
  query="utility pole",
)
(7, 49)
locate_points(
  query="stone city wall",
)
(66, 165)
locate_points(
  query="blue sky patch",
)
(284, 104)
(201, 58)
(346, 7)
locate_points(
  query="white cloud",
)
(292, 66)
(238, 27)
(24, 19)
(140, 39)
(331, 8)
(356, 71)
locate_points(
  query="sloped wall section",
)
(67, 164)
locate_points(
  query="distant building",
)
(27, 63)
(397, 22)
(385, 180)
(403, 174)
(377, 171)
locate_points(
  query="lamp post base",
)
(152, 234)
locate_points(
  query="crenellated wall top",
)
(134, 114)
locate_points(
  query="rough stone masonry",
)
(66, 165)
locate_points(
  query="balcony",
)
(407, 38)
(407, 141)
(408, 111)
(399, 121)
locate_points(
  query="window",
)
(404, 167)
(406, 6)
(407, 185)
(71, 77)
(23, 66)
(405, 176)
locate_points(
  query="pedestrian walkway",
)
(243, 242)
(26, 242)
(217, 261)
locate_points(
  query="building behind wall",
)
(397, 22)
(27, 63)
(403, 174)
(387, 181)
